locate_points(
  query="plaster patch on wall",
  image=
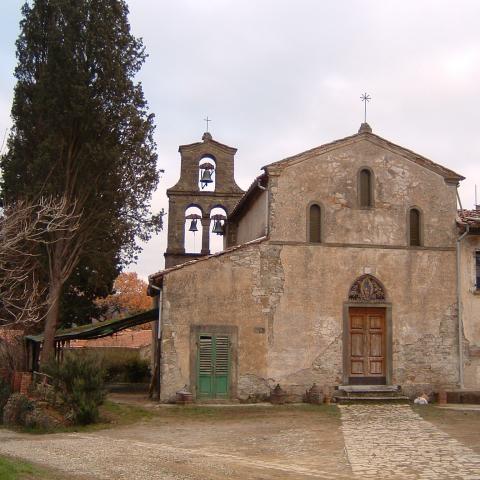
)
(431, 359)
(268, 284)
(254, 388)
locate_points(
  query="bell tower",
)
(206, 185)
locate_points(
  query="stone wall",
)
(307, 326)
(287, 302)
(223, 290)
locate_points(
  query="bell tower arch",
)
(207, 181)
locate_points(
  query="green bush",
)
(137, 370)
(79, 381)
(133, 370)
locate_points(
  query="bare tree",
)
(27, 232)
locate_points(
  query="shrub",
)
(137, 370)
(16, 410)
(79, 382)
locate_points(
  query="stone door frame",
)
(388, 337)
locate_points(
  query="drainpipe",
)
(459, 302)
(261, 187)
(159, 337)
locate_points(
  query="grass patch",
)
(114, 414)
(237, 413)
(111, 415)
(445, 415)
(13, 469)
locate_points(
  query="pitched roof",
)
(207, 138)
(364, 134)
(253, 190)
(156, 278)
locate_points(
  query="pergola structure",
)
(84, 332)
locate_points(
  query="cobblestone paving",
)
(392, 441)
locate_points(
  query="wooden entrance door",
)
(367, 346)
(213, 366)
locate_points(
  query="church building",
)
(347, 264)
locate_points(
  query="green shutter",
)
(205, 365)
(222, 361)
(213, 366)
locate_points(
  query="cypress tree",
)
(82, 129)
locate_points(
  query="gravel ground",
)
(237, 443)
(264, 443)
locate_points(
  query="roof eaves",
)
(156, 277)
(446, 173)
(252, 189)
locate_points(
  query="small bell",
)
(193, 226)
(206, 177)
(217, 227)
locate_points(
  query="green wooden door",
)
(213, 366)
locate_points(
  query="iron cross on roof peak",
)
(365, 98)
(207, 120)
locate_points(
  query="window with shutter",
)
(365, 188)
(315, 223)
(213, 366)
(414, 227)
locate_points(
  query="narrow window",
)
(477, 269)
(315, 233)
(414, 227)
(365, 181)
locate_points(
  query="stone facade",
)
(284, 301)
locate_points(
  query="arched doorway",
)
(367, 334)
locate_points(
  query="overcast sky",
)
(281, 76)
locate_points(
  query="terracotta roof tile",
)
(469, 217)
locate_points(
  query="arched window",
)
(365, 188)
(315, 223)
(414, 227)
(193, 229)
(218, 216)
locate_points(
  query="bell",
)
(193, 226)
(206, 177)
(217, 227)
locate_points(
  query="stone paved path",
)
(392, 441)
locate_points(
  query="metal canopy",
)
(100, 329)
